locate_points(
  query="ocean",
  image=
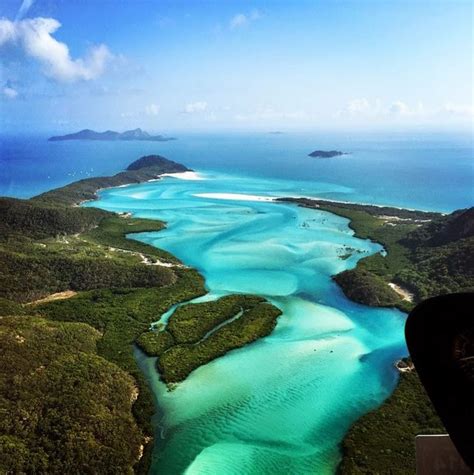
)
(425, 171)
(282, 404)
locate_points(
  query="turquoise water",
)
(282, 404)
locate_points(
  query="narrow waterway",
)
(282, 404)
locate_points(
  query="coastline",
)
(69, 305)
(231, 196)
(378, 208)
(327, 206)
(401, 278)
(187, 175)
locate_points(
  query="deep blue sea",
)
(282, 404)
(426, 171)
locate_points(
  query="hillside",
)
(71, 264)
(427, 254)
(144, 169)
(76, 295)
(64, 408)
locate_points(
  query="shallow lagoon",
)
(280, 405)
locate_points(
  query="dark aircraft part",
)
(440, 338)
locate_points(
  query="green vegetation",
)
(199, 333)
(122, 315)
(48, 246)
(370, 289)
(114, 230)
(94, 403)
(33, 268)
(191, 323)
(383, 441)
(28, 219)
(8, 307)
(426, 253)
(84, 190)
(155, 342)
(156, 161)
(63, 408)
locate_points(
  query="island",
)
(198, 333)
(326, 153)
(128, 135)
(426, 254)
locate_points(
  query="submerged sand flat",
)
(282, 404)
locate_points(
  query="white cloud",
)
(358, 106)
(270, 114)
(152, 109)
(238, 20)
(458, 109)
(34, 38)
(193, 107)
(399, 108)
(9, 92)
(365, 108)
(241, 19)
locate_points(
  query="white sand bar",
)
(234, 197)
(189, 175)
(404, 293)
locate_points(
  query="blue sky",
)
(211, 65)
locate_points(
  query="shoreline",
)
(277, 200)
(323, 205)
(372, 205)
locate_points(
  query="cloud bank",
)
(363, 108)
(34, 37)
(152, 109)
(194, 107)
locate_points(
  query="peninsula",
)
(426, 254)
(325, 153)
(145, 168)
(128, 135)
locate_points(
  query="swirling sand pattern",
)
(282, 404)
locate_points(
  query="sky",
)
(235, 65)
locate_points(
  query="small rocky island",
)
(325, 153)
(128, 135)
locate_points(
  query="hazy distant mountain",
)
(87, 134)
(326, 153)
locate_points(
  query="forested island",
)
(427, 254)
(76, 296)
(325, 154)
(128, 135)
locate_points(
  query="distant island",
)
(276, 132)
(326, 153)
(128, 135)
